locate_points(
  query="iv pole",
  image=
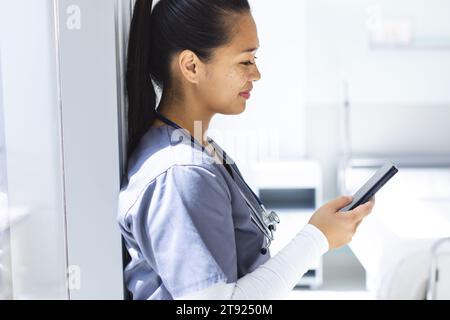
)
(345, 133)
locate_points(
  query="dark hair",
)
(173, 26)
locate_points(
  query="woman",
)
(186, 225)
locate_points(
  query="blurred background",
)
(346, 85)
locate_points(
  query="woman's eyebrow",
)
(250, 49)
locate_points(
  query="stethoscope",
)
(264, 220)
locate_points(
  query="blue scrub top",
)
(183, 220)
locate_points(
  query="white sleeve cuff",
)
(319, 238)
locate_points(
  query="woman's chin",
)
(236, 109)
(239, 108)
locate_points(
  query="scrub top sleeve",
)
(191, 230)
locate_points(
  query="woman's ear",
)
(190, 65)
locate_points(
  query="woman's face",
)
(228, 78)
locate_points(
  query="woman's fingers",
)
(362, 211)
(339, 202)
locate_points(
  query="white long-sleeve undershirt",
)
(275, 278)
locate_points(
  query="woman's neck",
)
(187, 114)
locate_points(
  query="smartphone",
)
(368, 190)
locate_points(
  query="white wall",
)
(2, 135)
(60, 94)
(396, 95)
(5, 263)
(338, 49)
(33, 149)
(90, 134)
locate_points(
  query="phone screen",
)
(368, 190)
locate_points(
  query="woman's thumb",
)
(340, 202)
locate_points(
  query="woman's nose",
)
(256, 74)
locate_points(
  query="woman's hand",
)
(339, 227)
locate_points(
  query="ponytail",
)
(140, 90)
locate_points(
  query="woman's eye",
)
(248, 63)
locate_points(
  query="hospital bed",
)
(403, 245)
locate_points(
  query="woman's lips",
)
(245, 94)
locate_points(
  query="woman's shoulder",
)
(162, 148)
(161, 155)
